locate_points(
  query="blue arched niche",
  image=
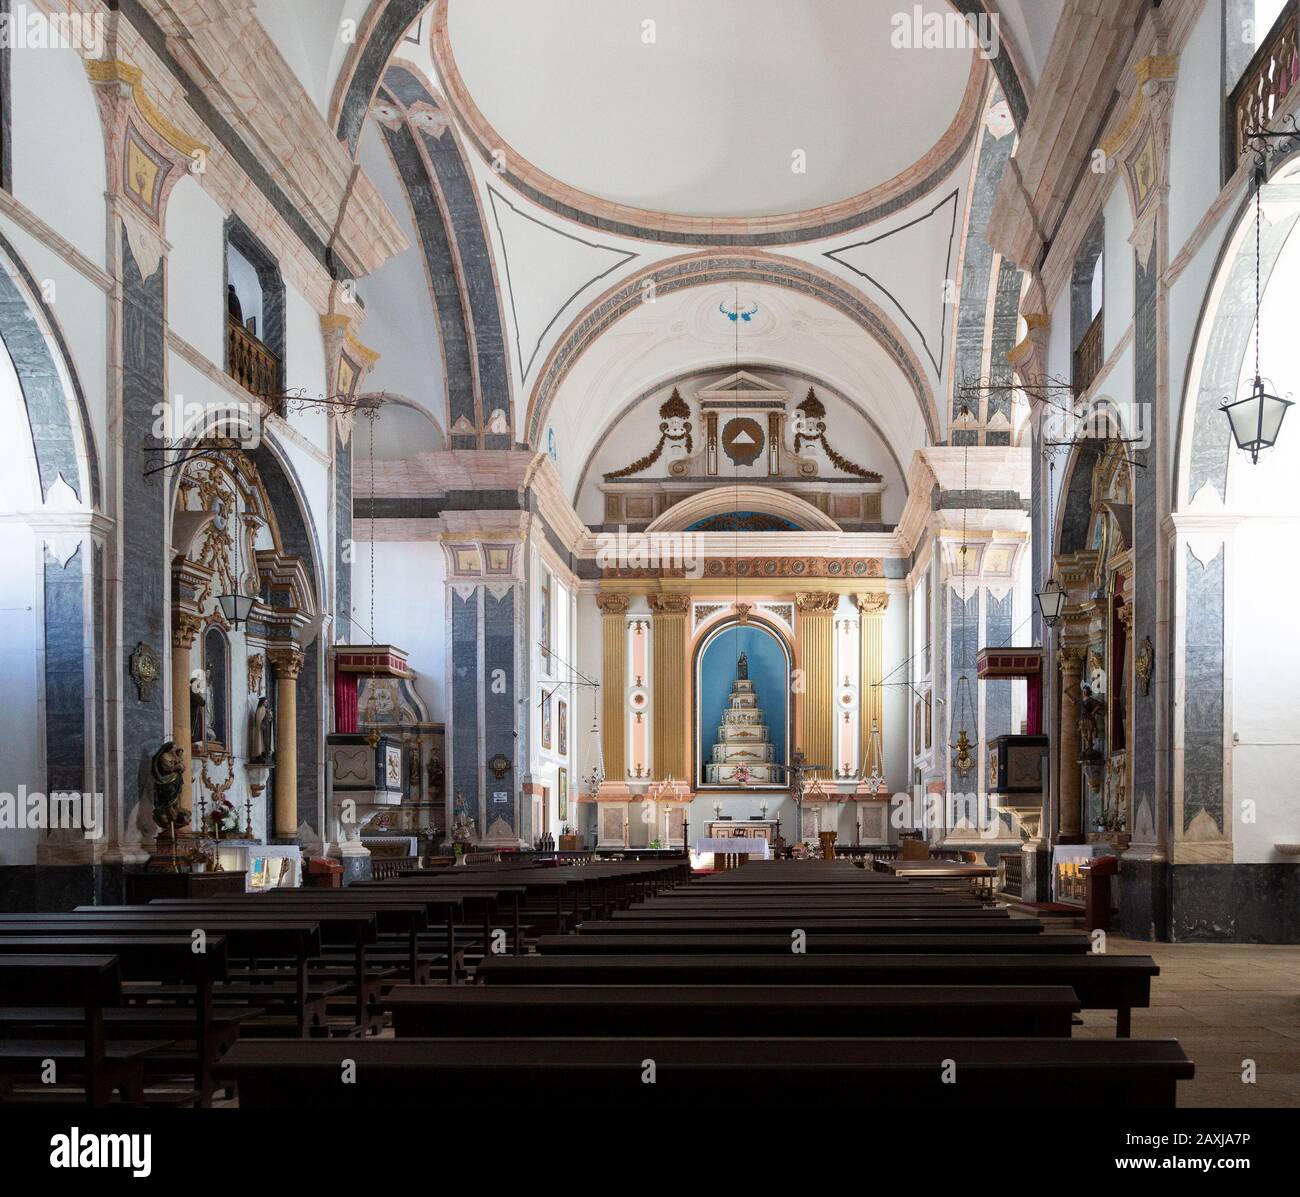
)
(715, 671)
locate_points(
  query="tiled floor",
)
(1225, 1003)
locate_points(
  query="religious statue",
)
(1096, 674)
(198, 707)
(167, 772)
(461, 830)
(260, 731)
(437, 774)
(1091, 712)
(742, 667)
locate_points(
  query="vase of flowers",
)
(223, 818)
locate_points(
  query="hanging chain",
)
(373, 739)
(1259, 217)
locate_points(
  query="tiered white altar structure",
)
(742, 753)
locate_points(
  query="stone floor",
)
(1224, 1003)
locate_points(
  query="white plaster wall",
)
(400, 321)
(307, 33)
(304, 369)
(57, 139)
(1118, 279)
(1194, 154)
(410, 609)
(79, 307)
(1265, 754)
(21, 762)
(196, 303)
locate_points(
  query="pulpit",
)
(364, 778)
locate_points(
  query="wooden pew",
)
(351, 928)
(884, 1074)
(147, 959)
(91, 984)
(730, 1011)
(483, 899)
(1012, 935)
(816, 943)
(400, 923)
(298, 940)
(1102, 982)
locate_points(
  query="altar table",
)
(735, 845)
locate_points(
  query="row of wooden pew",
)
(778, 982)
(168, 987)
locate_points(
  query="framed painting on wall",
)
(562, 726)
(562, 792)
(546, 723)
(544, 621)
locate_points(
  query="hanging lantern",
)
(1256, 419)
(1051, 602)
(236, 607)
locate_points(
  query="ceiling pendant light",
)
(963, 757)
(236, 606)
(1051, 599)
(1256, 418)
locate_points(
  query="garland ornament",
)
(674, 426)
(810, 429)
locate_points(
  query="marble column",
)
(871, 635)
(287, 663)
(613, 685)
(817, 660)
(670, 712)
(184, 629)
(1070, 659)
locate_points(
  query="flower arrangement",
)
(742, 774)
(223, 817)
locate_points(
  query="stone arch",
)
(1221, 340)
(63, 533)
(699, 270)
(458, 261)
(56, 404)
(725, 499)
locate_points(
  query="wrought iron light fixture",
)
(1051, 601)
(1256, 418)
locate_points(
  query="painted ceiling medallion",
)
(734, 310)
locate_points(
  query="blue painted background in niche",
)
(717, 672)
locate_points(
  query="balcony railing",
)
(1268, 77)
(1089, 356)
(252, 364)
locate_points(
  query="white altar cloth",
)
(738, 845)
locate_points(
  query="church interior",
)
(586, 548)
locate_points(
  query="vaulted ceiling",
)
(812, 156)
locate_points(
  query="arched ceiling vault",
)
(859, 247)
(777, 284)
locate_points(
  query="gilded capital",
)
(816, 602)
(873, 604)
(286, 661)
(612, 604)
(184, 628)
(669, 604)
(1070, 659)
